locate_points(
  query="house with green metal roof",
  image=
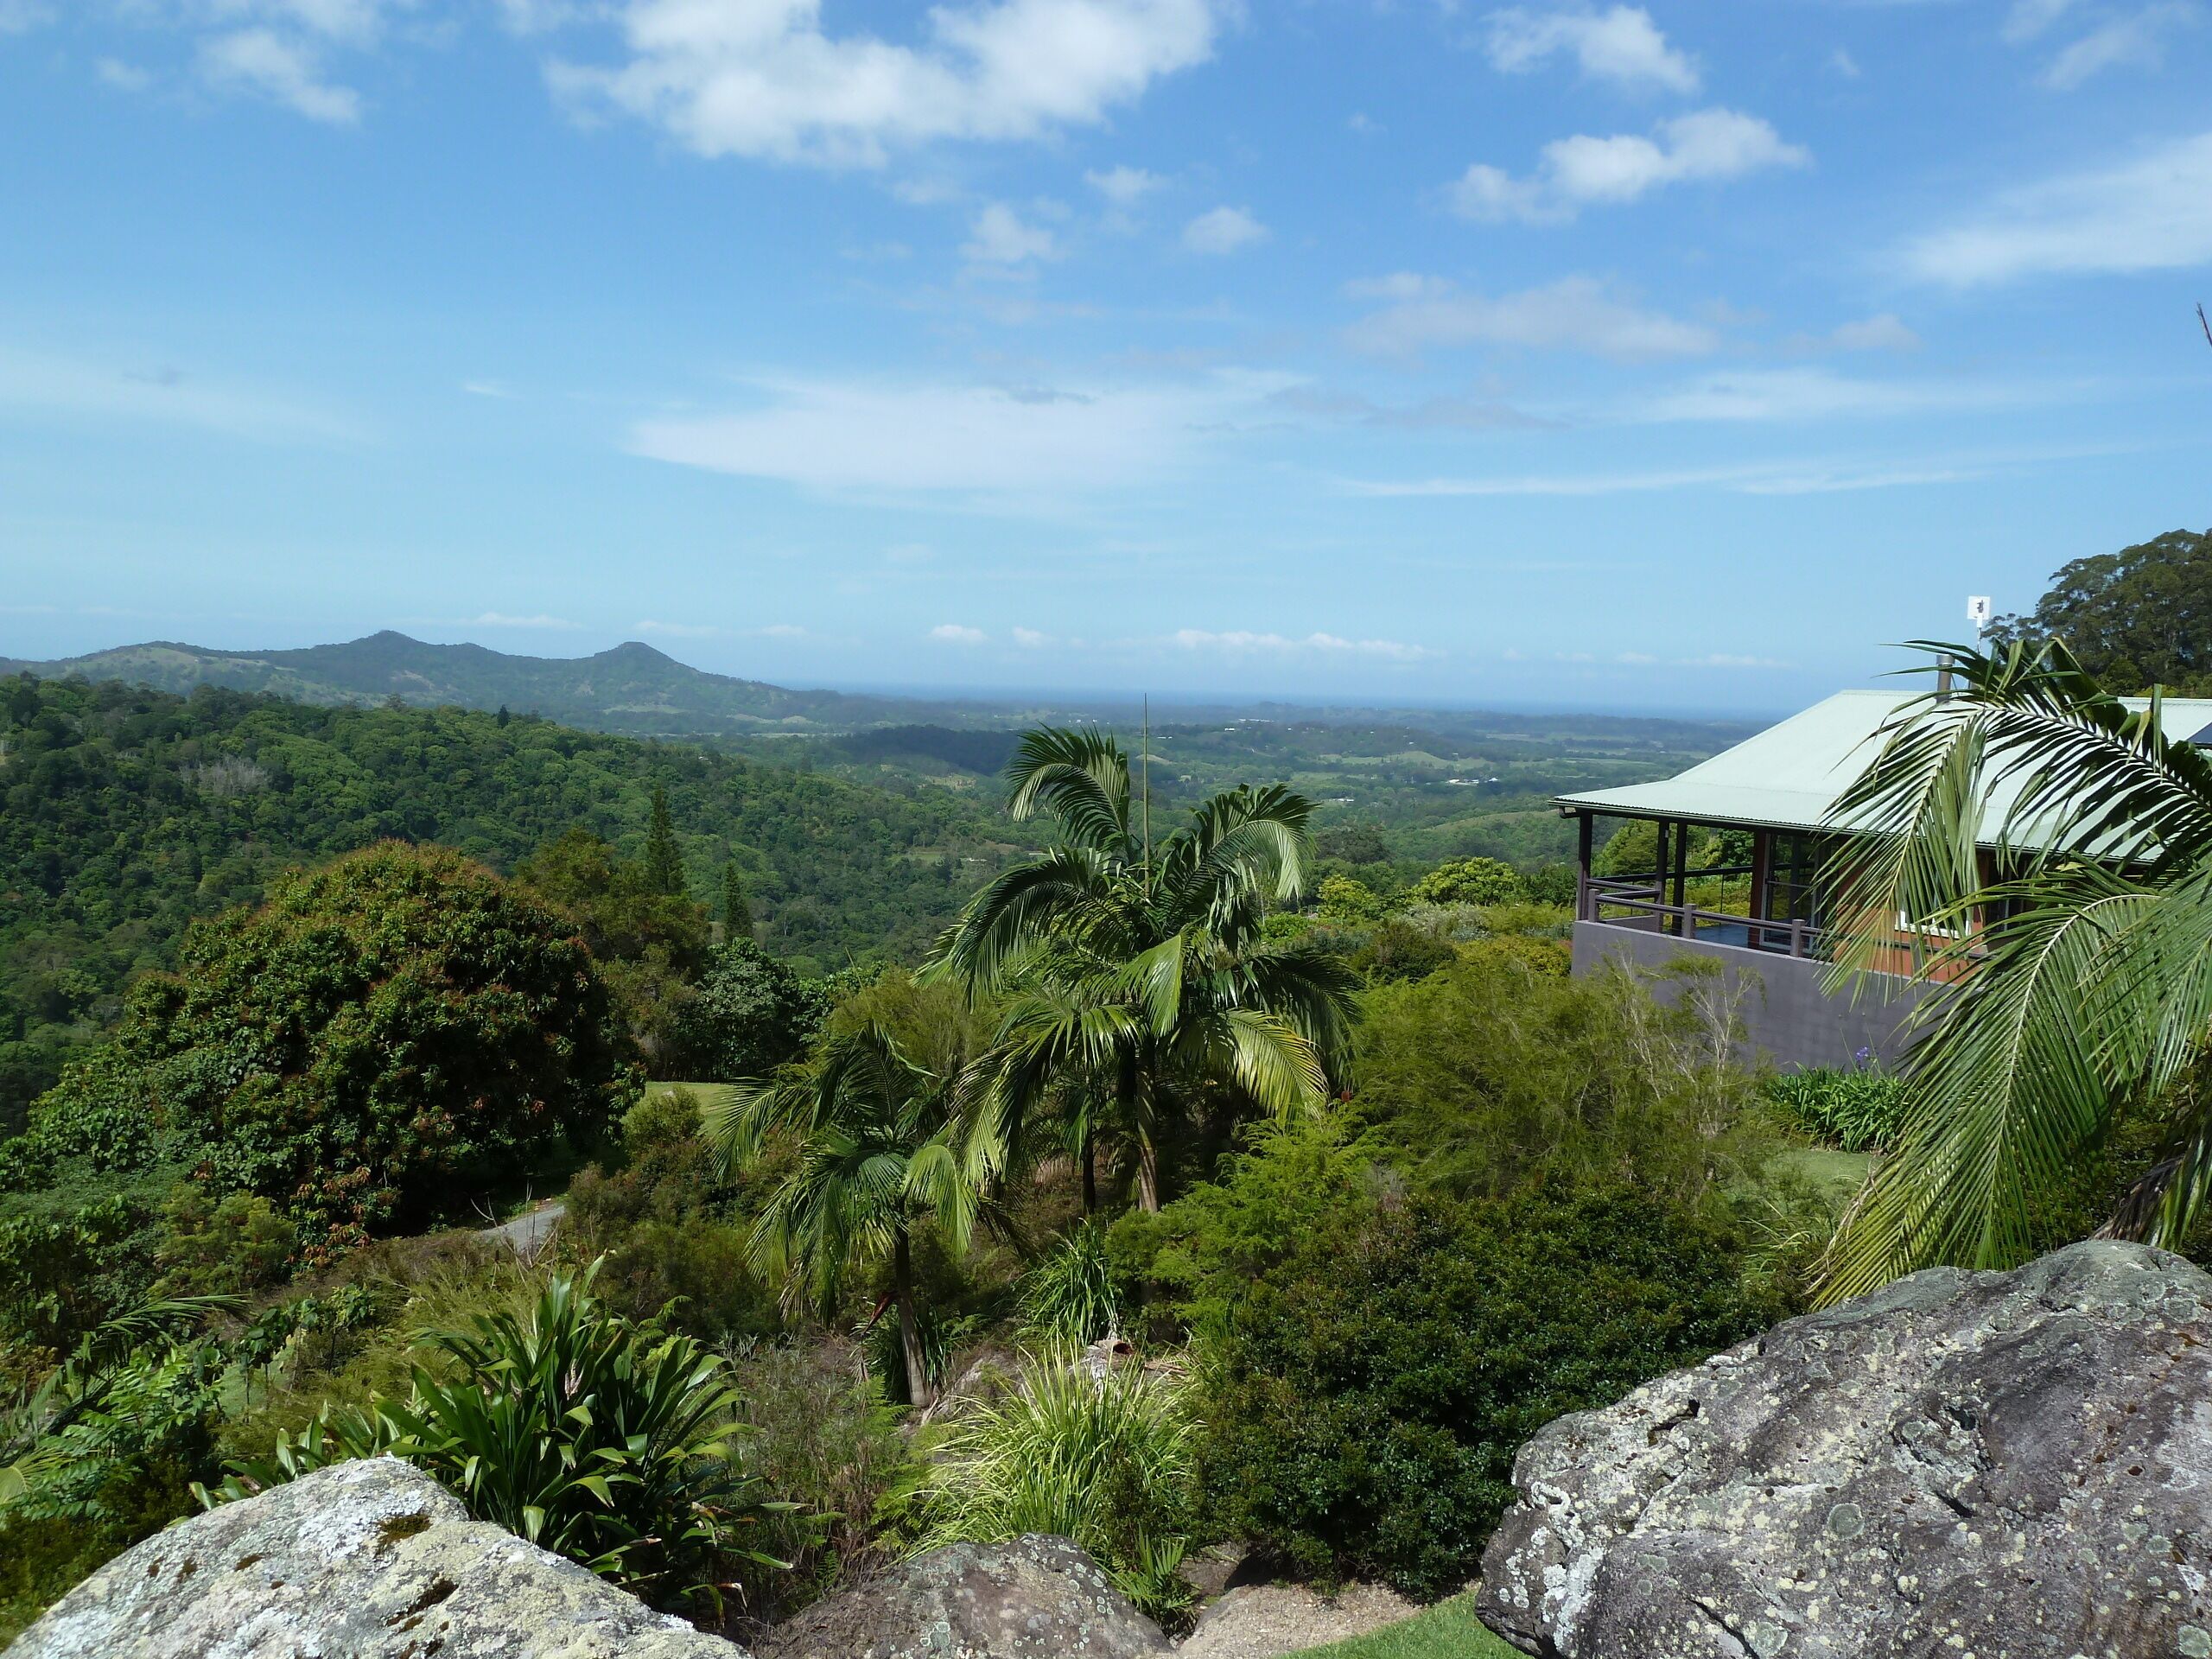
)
(1732, 871)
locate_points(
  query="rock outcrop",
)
(2006, 1465)
(1036, 1598)
(371, 1560)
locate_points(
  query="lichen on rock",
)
(2000, 1464)
(370, 1560)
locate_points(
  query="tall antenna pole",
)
(1144, 785)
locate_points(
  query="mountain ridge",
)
(633, 688)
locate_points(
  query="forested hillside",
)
(632, 689)
(129, 811)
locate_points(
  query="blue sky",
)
(1676, 357)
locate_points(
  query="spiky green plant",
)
(1069, 1295)
(1104, 1461)
(2058, 847)
(1135, 973)
(613, 1444)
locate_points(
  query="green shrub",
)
(384, 1040)
(1106, 1461)
(1397, 950)
(1070, 1296)
(1471, 882)
(1344, 900)
(612, 1443)
(824, 1437)
(1860, 1111)
(1364, 1403)
(748, 1015)
(1496, 1073)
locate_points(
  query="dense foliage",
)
(2134, 619)
(387, 1033)
(1109, 1461)
(1419, 1190)
(1364, 1404)
(610, 1443)
(129, 812)
(1859, 1112)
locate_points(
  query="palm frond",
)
(1081, 778)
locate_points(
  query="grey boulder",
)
(370, 1560)
(1035, 1597)
(1968, 1465)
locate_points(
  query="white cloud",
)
(1780, 478)
(679, 630)
(955, 633)
(1883, 333)
(761, 78)
(59, 387)
(1844, 63)
(2134, 41)
(1030, 639)
(1622, 45)
(497, 388)
(1574, 314)
(2151, 213)
(2029, 18)
(1124, 186)
(1812, 394)
(781, 631)
(123, 77)
(937, 437)
(21, 16)
(1239, 642)
(1224, 230)
(500, 619)
(1000, 236)
(261, 60)
(1580, 171)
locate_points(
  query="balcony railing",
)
(1640, 901)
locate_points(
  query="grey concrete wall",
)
(1786, 1013)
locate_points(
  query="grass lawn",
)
(1448, 1631)
(1841, 1173)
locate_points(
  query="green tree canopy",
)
(2134, 619)
(664, 859)
(381, 1042)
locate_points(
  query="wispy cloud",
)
(1224, 230)
(1883, 333)
(2136, 40)
(502, 620)
(1000, 236)
(958, 633)
(937, 437)
(1124, 186)
(1623, 45)
(1779, 478)
(279, 68)
(2153, 213)
(1240, 642)
(1810, 394)
(1572, 174)
(46, 386)
(769, 81)
(1574, 314)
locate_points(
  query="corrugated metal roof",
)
(1788, 776)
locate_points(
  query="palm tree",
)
(1135, 973)
(2061, 845)
(875, 1110)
